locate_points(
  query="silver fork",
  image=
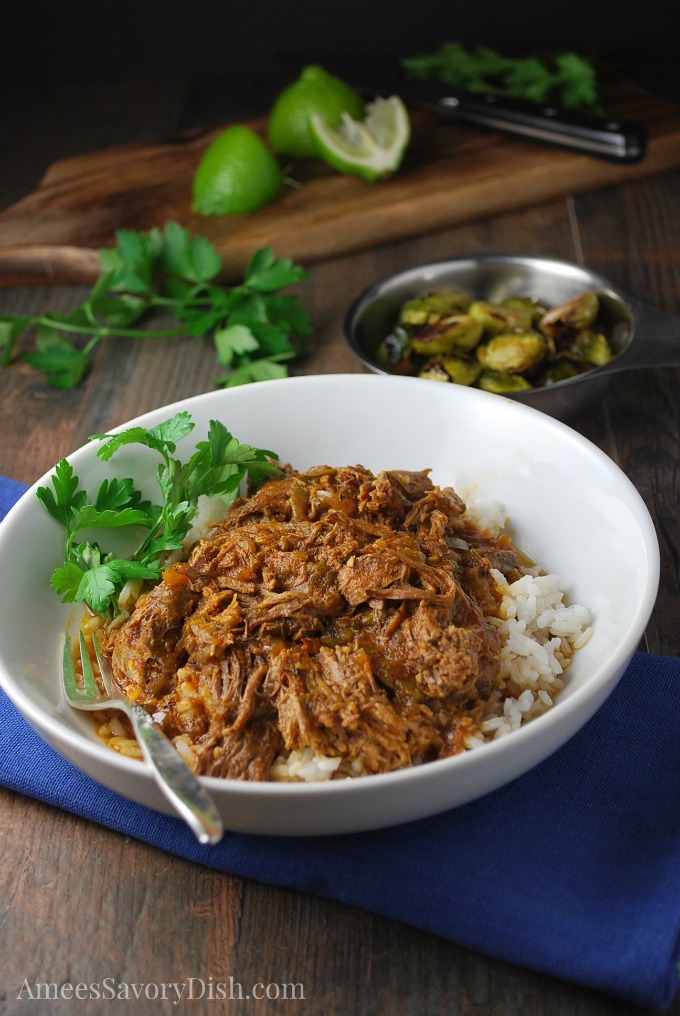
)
(181, 787)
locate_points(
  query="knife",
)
(611, 138)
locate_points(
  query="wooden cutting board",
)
(452, 173)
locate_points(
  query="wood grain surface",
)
(452, 173)
(80, 902)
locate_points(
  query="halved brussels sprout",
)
(572, 315)
(499, 382)
(560, 370)
(513, 352)
(457, 369)
(429, 308)
(455, 331)
(593, 347)
(526, 303)
(495, 318)
(394, 348)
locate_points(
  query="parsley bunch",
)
(567, 79)
(96, 577)
(255, 327)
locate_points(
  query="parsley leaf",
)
(578, 81)
(265, 273)
(218, 467)
(173, 271)
(267, 368)
(65, 498)
(162, 438)
(62, 363)
(189, 257)
(566, 79)
(234, 342)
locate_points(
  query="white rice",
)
(304, 765)
(541, 633)
(209, 511)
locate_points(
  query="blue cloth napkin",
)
(572, 869)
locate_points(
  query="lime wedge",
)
(372, 148)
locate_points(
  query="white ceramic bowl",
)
(572, 509)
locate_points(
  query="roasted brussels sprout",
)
(495, 318)
(394, 348)
(572, 315)
(498, 382)
(455, 331)
(513, 352)
(458, 369)
(529, 304)
(560, 370)
(430, 308)
(593, 347)
(510, 346)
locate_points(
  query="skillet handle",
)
(655, 343)
(47, 264)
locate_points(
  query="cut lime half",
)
(314, 92)
(372, 148)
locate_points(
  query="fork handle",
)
(176, 780)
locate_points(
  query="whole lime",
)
(236, 173)
(314, 93)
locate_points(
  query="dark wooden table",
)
(79, 901)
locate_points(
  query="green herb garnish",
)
(567, 79)
(255, 327)
(96, 577)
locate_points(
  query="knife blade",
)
(614, 139)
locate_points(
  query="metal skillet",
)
(640, 334)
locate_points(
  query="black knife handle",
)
(615, 139)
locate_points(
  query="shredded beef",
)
(332, 609)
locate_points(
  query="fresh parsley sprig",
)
(567, 79)
(255, 327)
(218, 467)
